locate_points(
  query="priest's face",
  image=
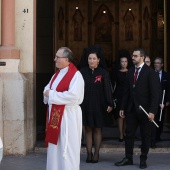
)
(61, 61)
(93, 61)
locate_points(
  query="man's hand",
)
(162, 106)
(167, 104)
(151, 116)
(121, 114)
(109, 109)
(46, 93)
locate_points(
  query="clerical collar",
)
(64, 69)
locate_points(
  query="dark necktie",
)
(160, 76)
(136, 75)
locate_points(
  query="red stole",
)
(53, 126)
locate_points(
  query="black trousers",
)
(156, 132)
(133, 120)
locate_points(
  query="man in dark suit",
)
(142, 88)
(165, 85)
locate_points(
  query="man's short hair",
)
(147, 56)
(142, 52)
(67, 53)
(160, 58)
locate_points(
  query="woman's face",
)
(93, 61)
(123, 62)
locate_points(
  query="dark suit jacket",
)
(145, 93)
(165, 85)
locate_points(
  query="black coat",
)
(97, 96)
(145, 93)
(165, 85)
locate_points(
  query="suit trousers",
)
(133, 120)
(156, 132)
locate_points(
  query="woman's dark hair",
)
(94, 49)
(123, 54)
(83, 60)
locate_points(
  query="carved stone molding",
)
(146, 19)
(61, 24)
(129, 22)
(103, 20)
(78, 21)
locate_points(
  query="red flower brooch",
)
(98, 78)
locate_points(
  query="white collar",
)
(63, 70)
(141, 65)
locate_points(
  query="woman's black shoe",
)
(121, 140)
(95, 161)
(89, 158)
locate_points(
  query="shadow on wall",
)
(42, 80)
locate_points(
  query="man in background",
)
(164, 80)
(141, 89)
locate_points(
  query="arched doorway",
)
(56, 25)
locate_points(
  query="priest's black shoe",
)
(125, 161)
(143, 165)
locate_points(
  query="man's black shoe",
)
(158, 139)
(153, 145)
(143, 165)
(125, 161)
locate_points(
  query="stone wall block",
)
(31, 134)
(29, 93)
(1, 115)
(14, 97)
(14, 111)
(14, 137)
(31, 123)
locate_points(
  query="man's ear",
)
(67, 60)
(143, 58)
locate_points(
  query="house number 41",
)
(25, 11)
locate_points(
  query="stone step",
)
(115, 146)
(110, 142)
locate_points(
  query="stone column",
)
(8, 49)
(13, 86)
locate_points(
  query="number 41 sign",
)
(25, 11)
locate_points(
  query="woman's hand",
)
(121, 114)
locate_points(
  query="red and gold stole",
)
(53, 125)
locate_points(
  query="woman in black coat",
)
(97, 100)
(118, 78)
